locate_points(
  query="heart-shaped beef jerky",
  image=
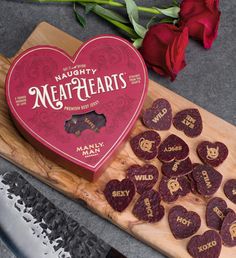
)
(143, 177)
(216, 211)
(171, 188)
(159, 116)
(193, 184)
(148, 207)
(183, 223)
(119, 194)
(177, 168)
(212, 153)
(172, 148)
(207, 245)
(208, 180)
(189, 121)
(144, 145)
(230, 190)
(228, 229)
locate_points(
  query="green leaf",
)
(171, 11)
(132, 10)
(154, 19)
(138, 43)
(175, 3)
(81, 20)
(139, 29)
(105, 12)
(167, 20)
(89, 7)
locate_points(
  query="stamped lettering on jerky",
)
(144, 145)
(91, 120)
(144, 177)
(207, 179)
(171, 189)
(177, 168)
(159, 116)
(183, 223)
(172, 148)
(212, 153)
(148, 207)
(119, 194)
(228, 229)
(206, 245)
(216, 211)
(230, 190)
(189, 121)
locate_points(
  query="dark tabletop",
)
(208, 80)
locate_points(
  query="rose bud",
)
(163, 49)
(202, 18)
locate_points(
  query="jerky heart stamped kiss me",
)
(78, 110)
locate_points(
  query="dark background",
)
(208, 80)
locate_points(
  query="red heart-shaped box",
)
(77, 110)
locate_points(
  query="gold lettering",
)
(173, 148)
(120, 193)
(159, 115)
(183, 221)
(189, 121)
(206, 179)
(143, 177)
(148, 207)
(175, 166)
(218, 212)
(207, 246)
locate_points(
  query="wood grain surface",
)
(15, 149)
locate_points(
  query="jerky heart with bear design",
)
(189, 121)
(183, 223)
(208, 180)
(144, 145)
(177, 168)
(171, 188)
(212, 153)
(144, 177)
(119, 194)
(172, 148)
(207, 245)
(148, 208)
(159, 116)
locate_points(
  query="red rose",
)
(202, 18)
(163, 49)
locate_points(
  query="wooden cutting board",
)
(15, 149)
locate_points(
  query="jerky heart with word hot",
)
(183, 223)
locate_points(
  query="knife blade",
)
(33, 227)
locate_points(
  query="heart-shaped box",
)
(77, 110)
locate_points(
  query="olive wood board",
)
(158, 235)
